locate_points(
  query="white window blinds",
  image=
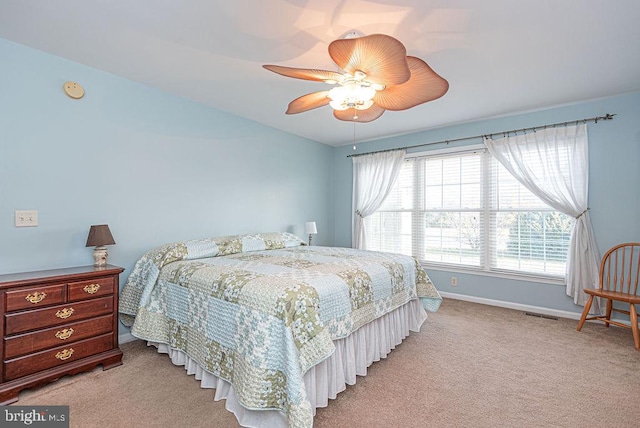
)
(464, 209)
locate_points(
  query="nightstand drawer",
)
(89, 289)
(23, 366)
(42, 339)
(57, 315)
(27, 298)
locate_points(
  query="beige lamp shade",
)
(310, 228)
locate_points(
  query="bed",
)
(275, 326)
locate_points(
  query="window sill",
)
(495, 274)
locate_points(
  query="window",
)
(464, 209)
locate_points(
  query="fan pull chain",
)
(354, 135)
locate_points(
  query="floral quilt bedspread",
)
(260, 310)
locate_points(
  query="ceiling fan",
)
(378, 76)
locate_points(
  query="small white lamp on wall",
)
(310, 229)
(99, 236)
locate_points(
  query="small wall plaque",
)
(73, 89)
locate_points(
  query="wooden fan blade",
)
(368, 115)
(424, 85)
(381, 57)
(308, 102)
(305, 73)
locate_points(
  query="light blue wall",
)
(614, 188)
(158, 168)
(155, 167)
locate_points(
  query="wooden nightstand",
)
(55, 323)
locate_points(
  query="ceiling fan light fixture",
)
(359, 75)
(351, 95)
(365, 105)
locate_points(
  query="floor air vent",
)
(549, 317)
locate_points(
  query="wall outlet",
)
(26, 218)
(454, 281)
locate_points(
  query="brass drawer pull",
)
(36, 297)
(65, 334)
(65, 313)
(91, 288)
(65, 354)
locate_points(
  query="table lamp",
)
(99, 236)
(310, 229)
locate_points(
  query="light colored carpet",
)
(470, 366)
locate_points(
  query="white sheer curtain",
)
(373, 178)
(553, 164)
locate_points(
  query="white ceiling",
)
(499, 56)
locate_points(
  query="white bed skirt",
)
(325, 380)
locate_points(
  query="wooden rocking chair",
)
(619, 275)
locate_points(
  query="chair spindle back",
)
(620, 268)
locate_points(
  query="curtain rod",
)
(607, 116)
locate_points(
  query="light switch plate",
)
(26, 218)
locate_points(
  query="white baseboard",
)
(510, 305)
(526, 308)
(127, 337)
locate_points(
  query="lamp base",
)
(100, 256)
(309, 239)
